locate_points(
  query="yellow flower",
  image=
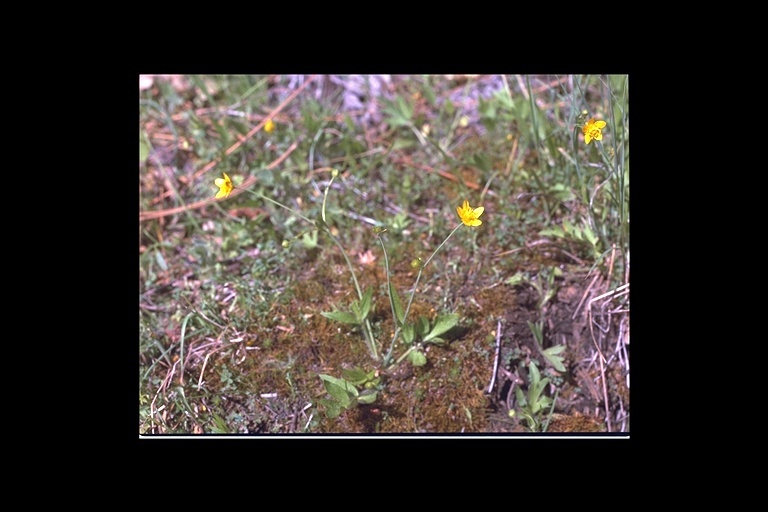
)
(593, 130)
(469, 216)
(225, 186)
(269, 126)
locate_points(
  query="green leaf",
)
(143, 151)
(341, 390)
(396, 304)
(309, 239)
(422, 326)
(553, 231)
(350, 123)
(365, 304)
(405, 108)
(417, 358)
(408, 333)
(220, 426)
(367, 396)
(590, 236)
(429, 94)
(355, 308)
(398, 111)
(161, 261)
(355, 375)
(552, 357)
(332, 409)
(535, 388)
(338, 394)
(521, 401)
(449, 107)
(534, 370)
(504, 99)
(536, 330)
(443, 324)
(561, 192)
(515, 279)
(487, 109)
(340, 316)
(402, 143)
(482, 161)
(534, 394)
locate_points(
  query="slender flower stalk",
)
(410, 301)
(468, 218)
(367, 331)
(226, 187)
(378, 232)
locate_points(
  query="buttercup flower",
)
(593, 130)
(225, 186)
(269, 126)
(469, 216)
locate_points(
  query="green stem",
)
(281, 205)
(367, 331)
(405, 354)
(367, 327)
(581, 179)
(389, 284)
(388, 357)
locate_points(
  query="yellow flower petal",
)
(592, 130)
(225, 186)
(468, 215)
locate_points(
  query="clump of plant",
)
(533, 405)
(544, 284)
(359, 386)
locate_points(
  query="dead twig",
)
(163, 386)
(234, 147)
(407, 161)
(496, 359)
(256, 128)
(205, 362)
(583, 297)
(199, 204)
(611, 295)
